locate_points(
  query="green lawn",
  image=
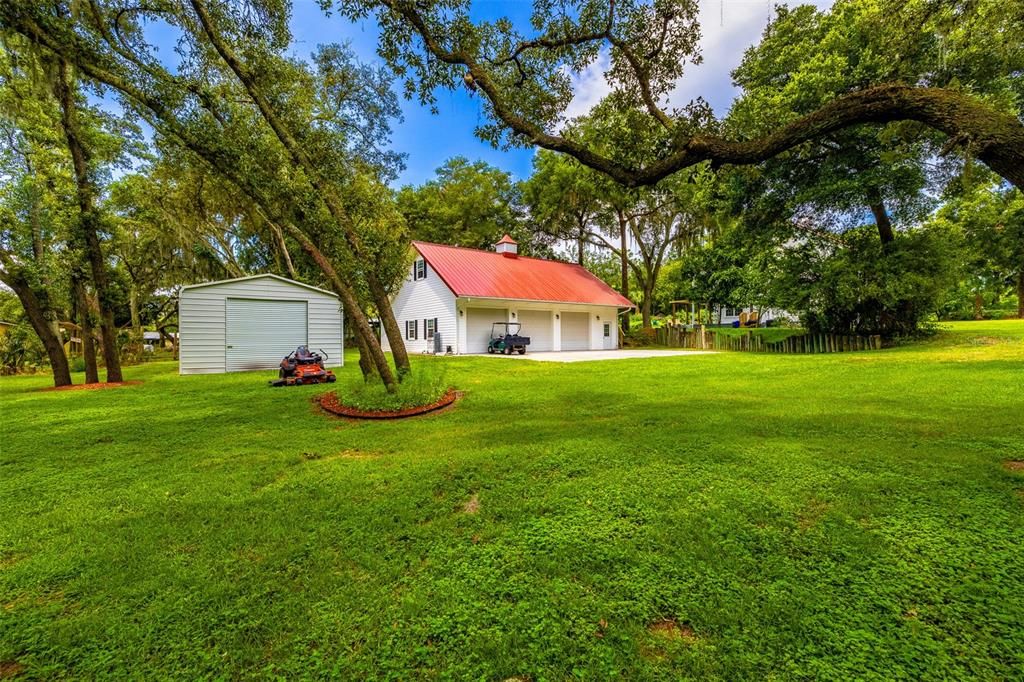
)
(797, 517)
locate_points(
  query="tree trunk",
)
(365, 357)
(387, 319)
(978, 308)
(88, 219)
(133, 307)
(882, 220)
(84, 320)
(37, 317)
(351, 303)
(624, 262)
(282, 248)
(645, 307)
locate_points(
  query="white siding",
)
(202, 320)
(425, 299)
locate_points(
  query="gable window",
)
(607, 330)
(419, 269)
(428, 328)
(411, 329)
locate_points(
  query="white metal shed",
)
(252, 322)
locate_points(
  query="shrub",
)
(21, 350)
(638, 337)
(425, 385)
(866, 288)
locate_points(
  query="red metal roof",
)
(487, 274)
(506, 240)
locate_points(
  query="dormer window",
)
(419, 269)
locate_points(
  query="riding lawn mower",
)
(303, 366)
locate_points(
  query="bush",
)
(425, 385)
(77, 363)
(638, 337)
(866, 288)
(21, 350)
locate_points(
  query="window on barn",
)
(419, 269)
(607, 330)
(410, 329)
(428, 328)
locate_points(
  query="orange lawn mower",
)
(303, 366)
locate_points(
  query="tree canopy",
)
(524, 76)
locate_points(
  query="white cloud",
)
(589, 86)
(728, 28)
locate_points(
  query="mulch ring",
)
(92, 387)
(330, 403)
(1014, 465)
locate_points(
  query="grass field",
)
(726, 516)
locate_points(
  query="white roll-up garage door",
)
(260, 333)
(575, 331)
(537, 325)
(478, 327)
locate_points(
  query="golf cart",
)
(505, 339)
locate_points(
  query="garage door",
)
(260, 333)
(478, 327)
(575, 331)
(537, 325)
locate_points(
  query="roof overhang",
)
(535, 300)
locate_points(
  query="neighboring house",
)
(726, 315)
(252, 322)
(457, 293)
(72, 333)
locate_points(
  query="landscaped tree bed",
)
(330, 403)
(91, 387)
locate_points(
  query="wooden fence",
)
(709, 339)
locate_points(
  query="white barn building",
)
(252, 322)
(457, 293)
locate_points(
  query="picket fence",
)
(709, 339)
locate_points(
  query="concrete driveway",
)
(592, 355)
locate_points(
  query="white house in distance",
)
(727, 316)
(458, 293)
(252, 322)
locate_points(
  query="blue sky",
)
(728, 28)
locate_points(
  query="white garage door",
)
(575, 331)
(537, 325)
(260, 333)
(478, 327)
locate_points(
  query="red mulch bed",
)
(91, 387)
(329, 402)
